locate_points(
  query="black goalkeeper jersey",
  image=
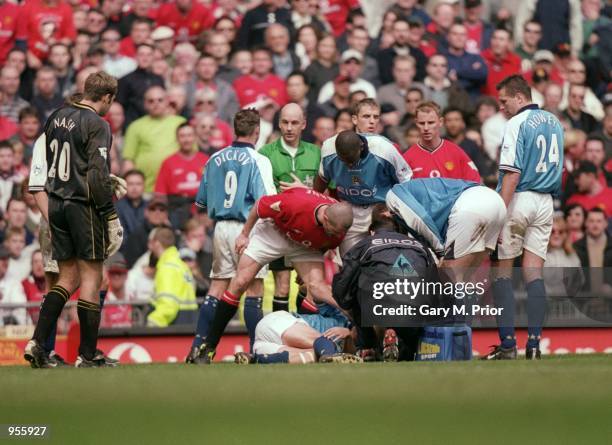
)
(78, 143)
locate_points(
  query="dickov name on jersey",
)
(232, 155)
(63, 123)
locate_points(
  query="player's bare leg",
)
(313, 275)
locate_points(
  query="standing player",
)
(291, 158)
(234, 179)
(363, 168)
(530, 167)
(84, 225)
(435, 157)
(299, 224)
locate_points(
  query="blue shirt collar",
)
(242, 144)
(529, 107)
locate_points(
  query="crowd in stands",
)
(185, 67)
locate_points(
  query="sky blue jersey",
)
(381, 167)
(234, 178)
(327, 318)
(533, 147)
(425, 205)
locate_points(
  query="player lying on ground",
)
(460, 219)
(299, 224)
(385, 256)
(282, 337)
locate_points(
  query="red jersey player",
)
(434, 157)
(186, 17)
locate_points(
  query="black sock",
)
(50, 310)
(280, 303)
(89, 320)
(226, 309)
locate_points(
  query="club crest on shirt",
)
(355, 180)
(449, 165)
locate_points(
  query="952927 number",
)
(25, 431)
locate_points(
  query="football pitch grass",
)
(566, 400)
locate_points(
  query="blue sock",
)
(252, 314)
(207, 313)
(324, 346)
(503, 295)
(279, 357)
(536, 311)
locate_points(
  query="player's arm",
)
(510, 161)
(98, 173)
(320, 184)
(38, 175)
(508, 187)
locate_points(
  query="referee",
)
(291, 158)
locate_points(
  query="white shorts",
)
(269, 331)
(528, 225)
(44, 237)
(267, 243)
(474, 222)
(362, 218)
(225, 259)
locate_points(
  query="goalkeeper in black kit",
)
(83, 222)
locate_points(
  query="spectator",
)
(140, 34)
(416, 38)
(60, 61)
(385, 36)
(401, 35)
(594, 151)
(351, 66)
(574, 151)
(578, 118)
(574, 217)
(560, 254)
(226, 102)
(343, 120)
(576, 75)
(359, 40)
(501, 61)
(12, 103)
(20, 262)
(152, 138)
(591, 193)
(323, 129)
(140, 285)
(16, 216)
(257, 20)
(261, 83)
(438, 29)
(115, 64)
(212, 133)
(454, 123)
(186, 56)
(174, 301)
(434, 157)
(470, 70)
(11, 292)
(414, 98)
(552, 98)
(116, 315)
(163, 41)
(242, 62)
(297, 91)
(96, 23)
(113, 11)
(493, 132)
(141, 9)
(179, 176)
(595, 252)
(82, 46)
(156, 215)
(187, 17)
(307, 38)
(227, 27)
(196, 240)
(28, 130)
(339, 13)
(340, 99)
(132, 87)
(561, 22)
(43, 23)
(407, 9)
(116, 118)
(34, 286)
(440, 89)
(10, 13)
(131, 208)
(302, 15)
(284, 60)
(479, 32)
(10, 180)
(404, 69)
(605, 133)
(324, 68)
(545, 60)
(526, 49)
(218, 47)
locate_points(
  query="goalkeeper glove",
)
(118, 185)
(115, 234)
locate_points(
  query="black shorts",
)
(77, 231)
(278, 265)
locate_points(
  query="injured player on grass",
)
(283, 337)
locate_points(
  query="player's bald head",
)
(349, 146)
(292, 111)
(340, 216)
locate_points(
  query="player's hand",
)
(289, 185)
(336, 333)
(119, 186)
(115, 235)
(241, 243)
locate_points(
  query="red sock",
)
(230, 298)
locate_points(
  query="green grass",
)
(556, 401)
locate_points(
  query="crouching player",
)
(300, 225)
(461, 220)
(282, 337)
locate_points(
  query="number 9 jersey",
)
(533, 146)
(78, 142)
